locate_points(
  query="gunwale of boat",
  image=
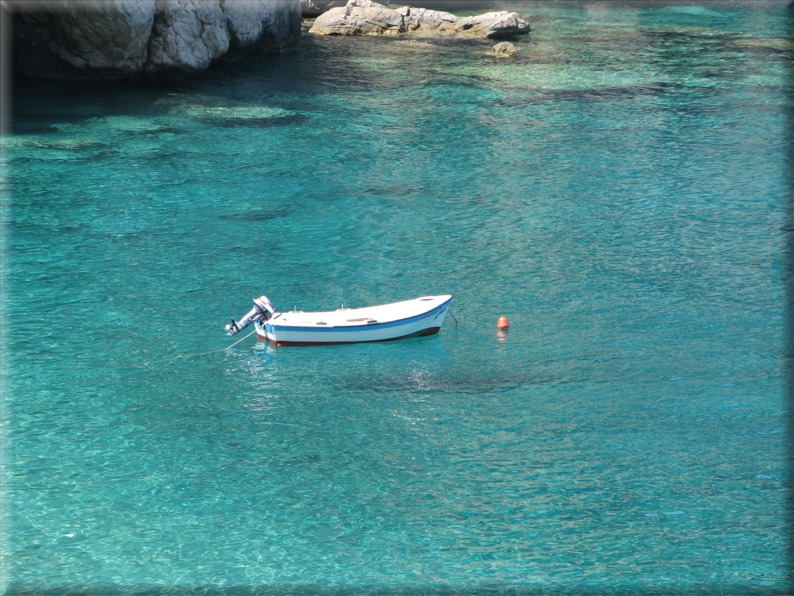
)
(356, 318)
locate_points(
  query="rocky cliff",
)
(112, 39)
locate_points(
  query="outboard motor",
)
(262, 311)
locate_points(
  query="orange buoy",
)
(502, 323)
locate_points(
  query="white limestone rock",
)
(108, 39)
(495, 24)
(100, 34)
(262, 23)
(187, 35)
(431, 21)
(365, 17)
(106, 33)
(244, 21)
(359, 17)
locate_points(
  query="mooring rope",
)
(214, 351)
(456, 321)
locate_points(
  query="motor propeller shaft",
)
(262, 311)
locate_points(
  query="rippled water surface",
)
(620, 190)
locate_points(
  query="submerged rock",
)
(364, 17)
(505, 48)
(415, 43)
(59, 144)
(772, 44)
(234, 113)
(111, 39)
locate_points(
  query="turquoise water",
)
(620, 191)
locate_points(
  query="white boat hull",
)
(387, 322)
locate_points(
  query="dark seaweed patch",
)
(394, 190)
(301, 459)
(765, 51)
(256, 215)
(34, 130)
(607, 93)
(156, 131)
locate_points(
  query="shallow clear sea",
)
(620, 190)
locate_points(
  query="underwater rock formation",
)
(112, 39)
(505, 48)
(364, 17)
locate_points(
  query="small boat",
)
(386, 322)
